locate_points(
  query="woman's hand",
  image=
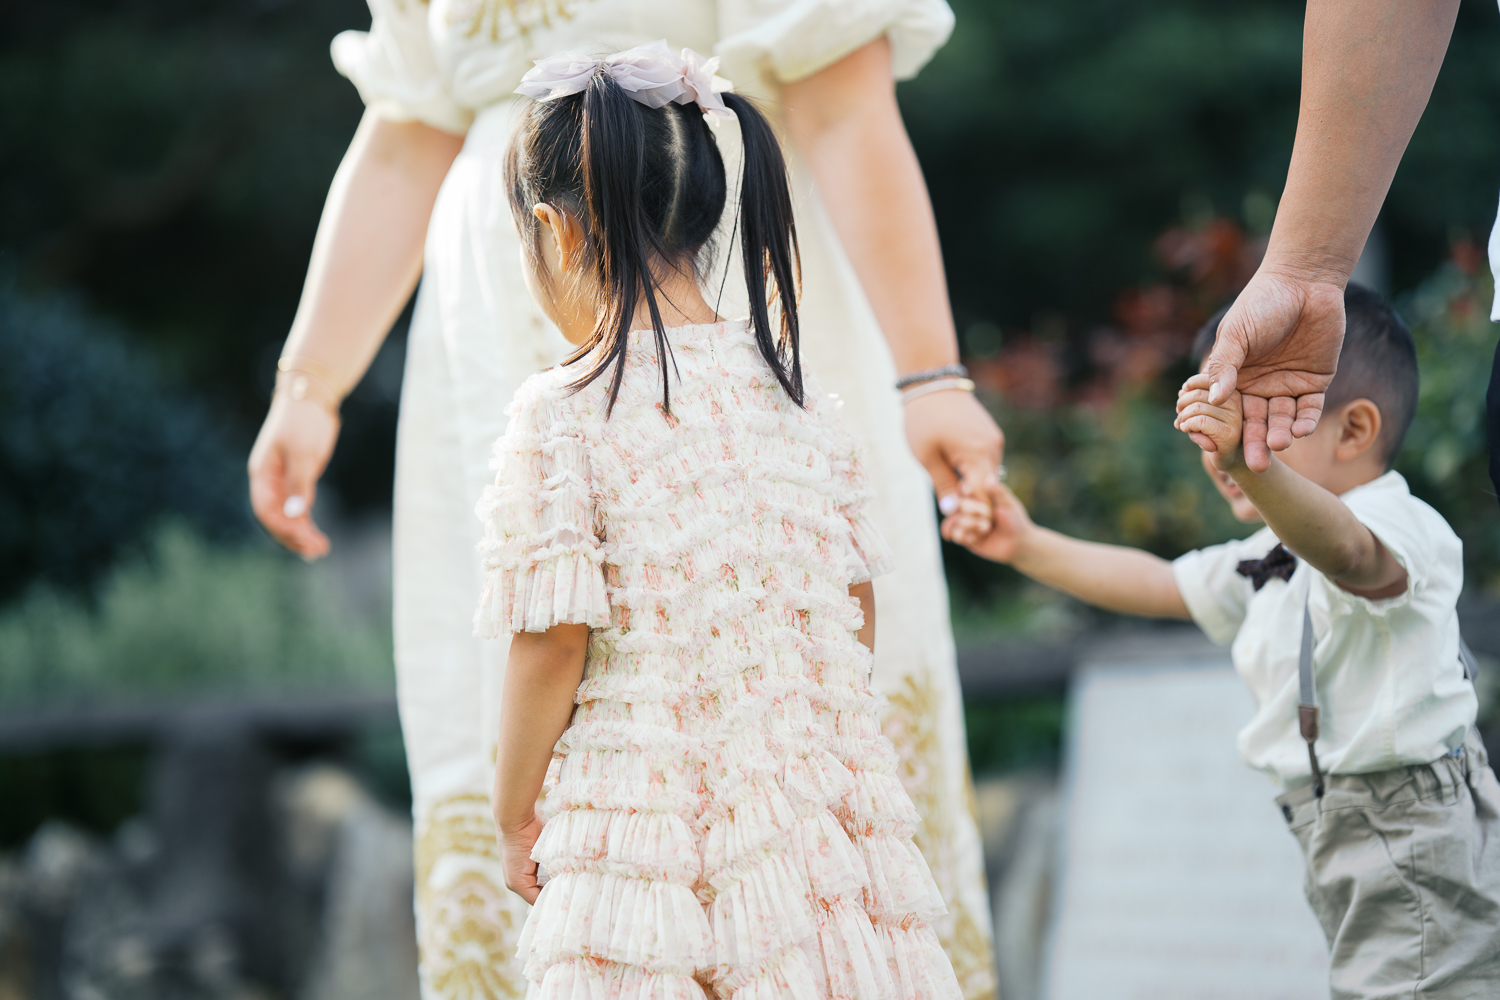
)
(960, 446)
(289, 457)
(515, 858)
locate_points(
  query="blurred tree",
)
(171, 158)
(1059, 138)
(95, 450)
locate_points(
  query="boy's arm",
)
(1113, 577)
(541, 678)
(1311, 522)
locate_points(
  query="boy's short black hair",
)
(1378, 362)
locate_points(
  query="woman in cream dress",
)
(437, 78)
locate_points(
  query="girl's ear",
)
(1359, 429)
(567, 234)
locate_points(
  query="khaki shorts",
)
(1403, 872)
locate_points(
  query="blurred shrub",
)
(95, 449)
(192, 618)
(1445, 455)
(1056, 138)
(1091, 450)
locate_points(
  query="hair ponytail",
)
(648, 187)
(768, 244)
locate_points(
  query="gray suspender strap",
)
(1307, 702)
(1466, 656)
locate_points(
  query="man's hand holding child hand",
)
(1217, 429)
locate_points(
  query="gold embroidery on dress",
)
(468, 923)
(911, 721)
(503, 20)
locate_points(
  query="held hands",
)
(1009, 524)
(289, 456)
(1219, 429)
(515, 857)
(1279, 346)
(959, 444)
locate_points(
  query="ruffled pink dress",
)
(723, 815)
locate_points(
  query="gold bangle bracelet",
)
(302, 385)
(937, 385)
(313, 367)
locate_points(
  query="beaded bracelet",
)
(929, 374)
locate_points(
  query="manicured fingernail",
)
(948, 504)
(295, 506)
(1213, 390)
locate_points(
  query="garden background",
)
(1104, 175)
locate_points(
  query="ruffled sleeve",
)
(867, 555)
(788, 40)
(393, 68)
(542, 560)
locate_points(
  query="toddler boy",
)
(1385, 782)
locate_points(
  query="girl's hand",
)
(1217, 429)
(515, 858)
(289, 456)
(1011, 527)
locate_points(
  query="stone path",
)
(1177, 878)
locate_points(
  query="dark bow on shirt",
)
(1278, 562)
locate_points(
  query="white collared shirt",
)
(1390, 685)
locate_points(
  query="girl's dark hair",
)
(648, 188)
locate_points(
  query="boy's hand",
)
(1009, 530)
(1217, 429)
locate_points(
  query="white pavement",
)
(1177, 877)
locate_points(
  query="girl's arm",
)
(1113, 577)
(845, 122)
(541, 678)
(865, 594)
(365, 262)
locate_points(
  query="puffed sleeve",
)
(542, 560)
(1215, 593)
(393, 68)
(789, 40)
(867, 555)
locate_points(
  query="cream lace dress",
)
(476, 336)
(723, 808)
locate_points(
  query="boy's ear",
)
(1360, 424)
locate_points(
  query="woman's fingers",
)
(288, 458)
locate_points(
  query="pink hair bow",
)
(650, 74)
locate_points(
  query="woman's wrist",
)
(303, 386)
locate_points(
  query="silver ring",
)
(1000, 473)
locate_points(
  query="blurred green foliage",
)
(193, 619)
(1110, 467)
(96, 448)
(1444, 457)
(167, 161)
(1014, 733)
(1059, 138)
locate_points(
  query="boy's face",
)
(1239, 504)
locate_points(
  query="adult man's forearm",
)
(1368, 68)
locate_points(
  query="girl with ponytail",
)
(676, 540)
